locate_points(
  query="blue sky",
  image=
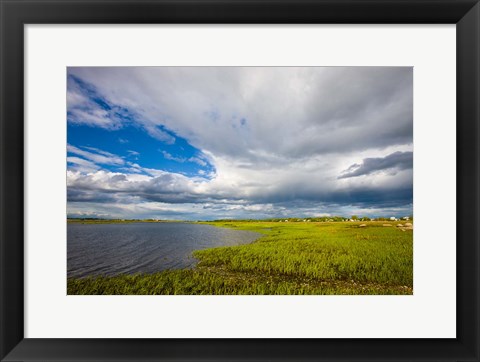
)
(130, 141)
(196, 143)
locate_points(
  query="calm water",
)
(110, 249)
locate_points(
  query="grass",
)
(291, 258)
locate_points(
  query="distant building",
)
(393, 218)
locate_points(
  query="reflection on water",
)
(110, 249)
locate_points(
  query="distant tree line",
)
(316, 219)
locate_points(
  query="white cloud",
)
(168, 156)
(82, 165)
(197, 161)
(98, 156)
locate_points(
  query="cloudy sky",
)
(197, 143)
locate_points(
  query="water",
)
(111, 249)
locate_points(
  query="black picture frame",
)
(16, 13)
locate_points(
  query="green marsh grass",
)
(291, 258)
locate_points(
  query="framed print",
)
(249, 181)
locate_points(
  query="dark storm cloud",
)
(172, 189)
(80, 195)
(360, 197)
(394, 161)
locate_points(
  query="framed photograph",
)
(239, 180)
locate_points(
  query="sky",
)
(203, 143)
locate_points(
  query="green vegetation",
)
(291, 258)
